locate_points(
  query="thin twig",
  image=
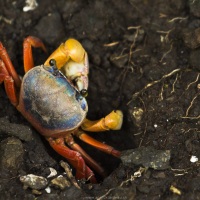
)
(111, 44)
(191, 104)
(133, 177)
(177, 18)
(69, 174)
(197, 78)
(135, 95)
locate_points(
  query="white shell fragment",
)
(34, 182)
(48, 190)
(53, 172)
(30, 5)
(194, 159)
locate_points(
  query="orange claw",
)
(112, 121)
(71, 49)
(30, 42)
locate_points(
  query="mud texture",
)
(145, 60)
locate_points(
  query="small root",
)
(191, 104)
(135, 95)
(197, 78)
(131, 179)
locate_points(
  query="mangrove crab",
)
(52, 98)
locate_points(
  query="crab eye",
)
(52, 62)
(84, 92)
(55, 70)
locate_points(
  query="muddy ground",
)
(144, 60)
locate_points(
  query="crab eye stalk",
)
(54, 70)
(84, 92)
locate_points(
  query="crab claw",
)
(77, 73)
(72, 60)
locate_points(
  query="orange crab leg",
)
(30, 42)
(9, 66)
(75, 158)
(92, 163)
(8, 83)
(112, 121)
(101, 146)
(3, 71)
(10, 90)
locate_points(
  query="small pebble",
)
(48, 190)
(34, 182)
(194, 159)
(61, 182)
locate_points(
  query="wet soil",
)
(144, 60)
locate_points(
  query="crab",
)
(51, 97)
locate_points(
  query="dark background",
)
(143, 56)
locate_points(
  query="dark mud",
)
(144, 60)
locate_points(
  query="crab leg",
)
(91, 162)
(112, 121)
(101, 146)
(9, 66)
(30, 42)
(8, 83)
(75, 158)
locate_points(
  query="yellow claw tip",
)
(114, 120)
(75, 50)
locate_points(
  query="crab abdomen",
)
(50, 103)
